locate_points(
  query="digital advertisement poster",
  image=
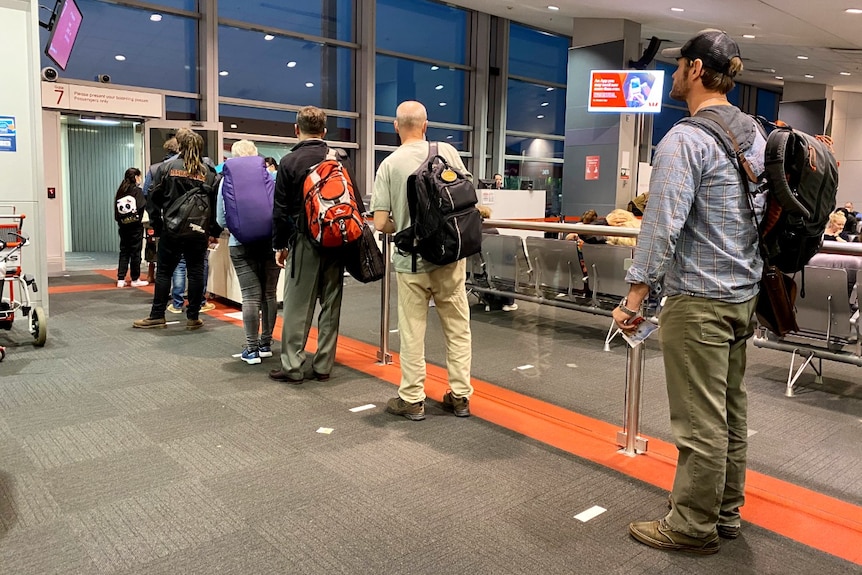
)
(626, 91)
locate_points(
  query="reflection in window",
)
(534, 147)
(537, 55)
(284, 70)
(385, 136)
(447, 26)
(535, 108)
(181, 108)
(130, 47)
(442, 90)
(326, 18)
(190, 5)
(265, 121)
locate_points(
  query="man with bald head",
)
(416, 286)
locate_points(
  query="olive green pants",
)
(704, 348)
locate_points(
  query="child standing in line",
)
(129, 204)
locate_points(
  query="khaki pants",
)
(704, 347)
(446, 285)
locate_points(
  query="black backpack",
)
(188, 217)
(801, 181)
(445, 224)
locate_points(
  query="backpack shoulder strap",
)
(432, 150)
(742, 162)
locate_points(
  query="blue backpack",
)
(247, 192)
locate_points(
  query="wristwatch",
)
(626, 310)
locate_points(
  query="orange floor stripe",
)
(811, 518)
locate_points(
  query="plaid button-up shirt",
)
(698, 234)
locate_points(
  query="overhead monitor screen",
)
(64, 33)
(627, 91)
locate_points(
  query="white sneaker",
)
(121, 283)
(511, 307)
(140, 283)
(173, 309)
(208, 306)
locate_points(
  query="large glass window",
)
(535, 108)
(440, 88)
(190, 5)
(132, 48)
(385, 135)
(325, 18)
(284, 70)
(269, 122)
(422, 28)
(538, 55)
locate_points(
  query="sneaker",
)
(208, 306)
(173, 309)
(460, 406)
(412, 411)
(193, 324)
(265, 351)
(659, 535)
(121, 283)
(510, 307)
(250, 357)
(140, 283)
(150, 323)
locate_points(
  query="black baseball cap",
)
(714, 48)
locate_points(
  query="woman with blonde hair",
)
(835, 228)
(622, 219)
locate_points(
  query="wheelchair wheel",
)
(39, 326)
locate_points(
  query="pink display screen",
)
(64, 33)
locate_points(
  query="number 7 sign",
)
(55, 95)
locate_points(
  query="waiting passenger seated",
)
(622, 219)
(589, 217)
(835, 228)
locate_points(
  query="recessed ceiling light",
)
(779, 77)
(449, 137)
(749, 36)
(269, 37)
(854, 10)
(291, 64)
(544, 104)
(677, 9)
(435, 67)
(442, 103)
(233, 126)
(223, 73)
(800, 57)
(553, 7)
(119, 58)
(309, 84)
(809, 75)
(844, 73)
(549, 89)
(540, 116)
(156, 17)
(438, 87)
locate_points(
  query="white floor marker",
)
(523, 367)
(325, 430)
(751, 432)
(571, 365)
(234, 315)
(590, 513)
(362, 407)
(171, 322)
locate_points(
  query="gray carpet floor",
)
(127, 451)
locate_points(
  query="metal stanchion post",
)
(628, 438)
(383, 355)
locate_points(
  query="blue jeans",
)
(178, 281)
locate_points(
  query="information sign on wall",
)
(8, 134)
(591, 171)
(102, 100)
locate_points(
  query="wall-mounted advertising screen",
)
(64, 33)
(627, 91)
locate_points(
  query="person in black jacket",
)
(312, 274)
(129, 205)
(175, 179)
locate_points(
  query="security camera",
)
(103, 78)
(50, 74)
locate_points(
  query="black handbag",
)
(364, 262)
(776, 301)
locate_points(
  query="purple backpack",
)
(247, 191)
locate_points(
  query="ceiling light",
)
(309, 84)
(800, 57)
(438, 87)
(442, 103)
(549, 89)
(749, 36)
(269, 37)
(291, 64)
(223, 73)
(435, 67)
(233, 126)
(544, 104)
(100, 122)
(854, 10)
(156, 17)
(119, 58)
(540, 116)
(449, 137)
(809, 75)
(844, 73)
(677, 9)
(779, 77)
(553, 7)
